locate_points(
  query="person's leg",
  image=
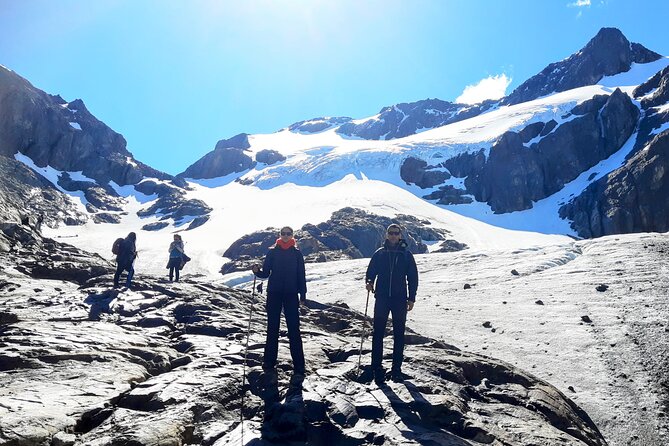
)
(272, 340)
(399, 311)
(292, 314)
(171, 270)
(131, 272)
(117, 275)
(381, 310)
(176, 269)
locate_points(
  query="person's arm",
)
(266, 270)
(301, 277)
(412, 277)
(370, 275)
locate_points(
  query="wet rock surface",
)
(162, 363)
(348, 234)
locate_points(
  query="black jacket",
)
(285, 269)
(394, 270)
(127, 252)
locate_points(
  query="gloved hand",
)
(370, 286)
(303, 298)
(255, 268)
(410, 305)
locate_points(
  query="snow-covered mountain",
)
(580, 149)
(554, 158)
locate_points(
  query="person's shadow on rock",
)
(100, 303)
(283, 421)
(413, 417)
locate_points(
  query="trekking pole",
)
(364, 332)
(246, 350)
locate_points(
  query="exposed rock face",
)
(417, 172)
(348, 234)
(606, 54)
(652, 94)
(171, 203)
(98, 197)
(23, 193)
(406, 119)
(63, 135)
(318, 125)
(163, 363)
(269, 157)
(227, 157)
(514, 175)
(633, 198)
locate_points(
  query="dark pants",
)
(398, 308)
(290, 307)
(120, 267)
(174, 264)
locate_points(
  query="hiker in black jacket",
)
(284, 265)
(394, 270)
(125, 259)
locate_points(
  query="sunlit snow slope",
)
(325, 171)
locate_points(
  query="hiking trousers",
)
(382, 308)
(174, 264)
(120, 267)
(290, 306)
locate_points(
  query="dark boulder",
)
(155, 226)
(416, 171)
(228, 157)
(269, 157)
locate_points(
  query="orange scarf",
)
(287, 245)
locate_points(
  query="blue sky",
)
(174, 77)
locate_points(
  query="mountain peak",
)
(607, 53)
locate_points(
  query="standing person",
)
(125, 259)
(394, 269)
(284, 265)
(176, 251)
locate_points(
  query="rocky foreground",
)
(161, 364)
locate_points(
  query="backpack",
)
(117, 246)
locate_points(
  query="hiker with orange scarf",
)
(284, 265)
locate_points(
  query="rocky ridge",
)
(348, 234)
(535, 162)
(66, 137)
(162, 364)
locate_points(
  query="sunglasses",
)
(286, 233)
(393, 232)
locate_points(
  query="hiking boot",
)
(397, 376)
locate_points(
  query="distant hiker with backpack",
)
(394, 270)
(125, 251)
(284, 265)
(176, 251)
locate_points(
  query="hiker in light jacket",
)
(125, 259)
(176, 251)
(284, 265)
(394, 270)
